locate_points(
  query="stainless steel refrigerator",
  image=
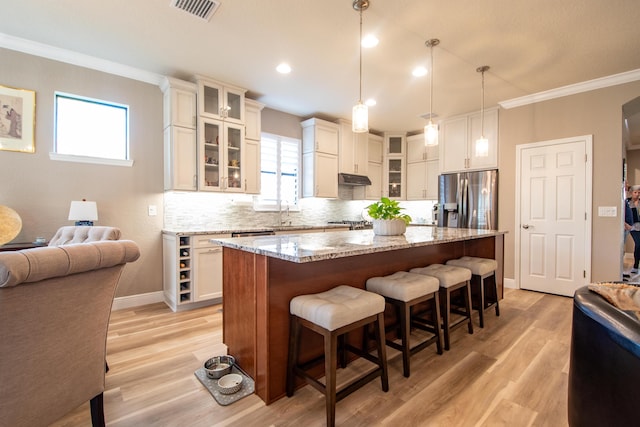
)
(468, 200)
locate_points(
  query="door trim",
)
(588, 142)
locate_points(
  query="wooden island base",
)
(257, 290)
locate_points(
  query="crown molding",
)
(79, 59)
(589, 85)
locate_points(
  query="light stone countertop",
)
(227, 229)
(310, 247)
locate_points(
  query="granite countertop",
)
(301, 248)
(227, 229)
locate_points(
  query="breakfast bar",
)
(262, 274)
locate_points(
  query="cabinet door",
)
(253, 119)
(320, 175)
(433, 171)
(233, 108)
(417, 180)
(327, 140)
(182, 108)
(218, 101)
(374, 191)
(453, 145)
(490, 132)
(233, 157)
(395, 168)
(374, 153)
(211, 155)
(416, 150)
(180, 169)
(346, 148)
(251, 166)
(361, 153)
(207, 267)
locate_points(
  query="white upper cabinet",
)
(220, 101)
(458, 137)
(374, 166)
(422, 169)
(179, 103)
(352, 149)
(320, 158)
(253, 130)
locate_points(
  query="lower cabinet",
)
(192, 270)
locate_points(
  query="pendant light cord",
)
(360, 93)
(431, 85)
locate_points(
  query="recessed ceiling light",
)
(370, 41)
(370, 102)
(419, 71)
(283, 68)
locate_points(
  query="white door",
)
(554, 220)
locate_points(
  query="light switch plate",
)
(607, 211)
(153, 210)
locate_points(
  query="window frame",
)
(79, 158)
(279, 205)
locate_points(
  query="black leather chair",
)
(604, 373)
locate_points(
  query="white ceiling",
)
(531, 46)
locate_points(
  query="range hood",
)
(351, 179)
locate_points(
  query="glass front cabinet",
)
(220, 101)
(221, 156)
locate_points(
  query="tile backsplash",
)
(211, 211)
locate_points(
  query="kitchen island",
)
(262, 274)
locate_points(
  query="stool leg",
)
(445, 318)
(436, 321)
(495, 287)
(468, 304)
(482, 301)
(405, 322)
(382, 351)
(330, 356)
(294, 333)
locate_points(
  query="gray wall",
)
(40, 189)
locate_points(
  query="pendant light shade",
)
(360, 116)
(482, 143)
(431, 129)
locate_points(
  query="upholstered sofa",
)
(55, 304)
(604, 373)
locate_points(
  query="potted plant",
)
(387, 218)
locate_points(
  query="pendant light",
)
(431, 129)
(360, 118)
(482, 143)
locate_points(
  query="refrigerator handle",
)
(464, 215)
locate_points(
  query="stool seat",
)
(403, 286)
(448, 275)
(478, 266)
(337, 307)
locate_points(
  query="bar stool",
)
(332, 314)
(451, 279)
(404, 290)
(481, 269)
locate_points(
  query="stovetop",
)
(354, 225)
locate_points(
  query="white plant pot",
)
(389, 227)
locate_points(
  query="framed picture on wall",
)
(17, 119)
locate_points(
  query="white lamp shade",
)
(360, 119)
(83, 211)
(482, 147)
(431, 134)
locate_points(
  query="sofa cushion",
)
(623, 296)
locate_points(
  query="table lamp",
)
(83, 212)
(10, 224)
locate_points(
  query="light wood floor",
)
(511, 373)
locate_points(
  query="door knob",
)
(526, 226)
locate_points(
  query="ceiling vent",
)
(201, 8)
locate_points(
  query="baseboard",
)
(509, 283)
(120, 303)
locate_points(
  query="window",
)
(90, 128)
(279, 173)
